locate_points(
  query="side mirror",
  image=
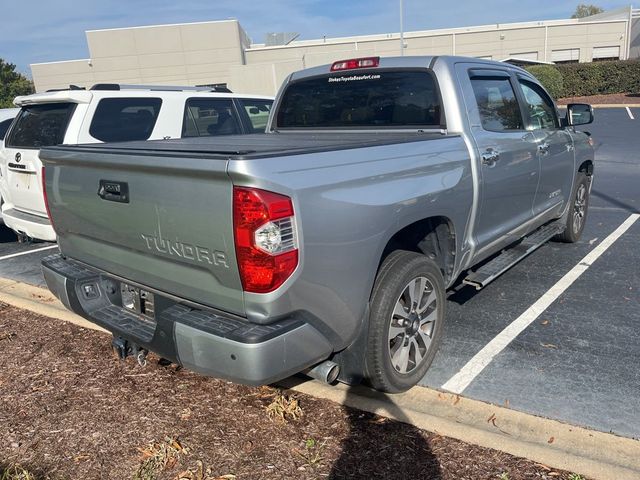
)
(579, 114)
(254, 110)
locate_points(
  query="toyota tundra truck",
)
(326, 245)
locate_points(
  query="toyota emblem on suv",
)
(18, 157)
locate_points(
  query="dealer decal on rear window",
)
(353, 78)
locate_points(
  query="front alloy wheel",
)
(577, 214)
(579, 208)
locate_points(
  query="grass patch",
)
(158, 457)
(16, 472)
(312, 454)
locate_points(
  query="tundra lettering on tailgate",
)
(185, 250)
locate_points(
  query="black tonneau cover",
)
(257, 145)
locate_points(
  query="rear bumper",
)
(206, 341)
(32, 225)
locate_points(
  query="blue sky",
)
(50, 30)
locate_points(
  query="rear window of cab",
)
(376, 99)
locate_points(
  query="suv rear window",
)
(380, 99)
(40, 126)
(125, 119)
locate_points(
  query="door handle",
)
(543, 148)
(490, 157)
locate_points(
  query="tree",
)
(12, 84)
(586, 10)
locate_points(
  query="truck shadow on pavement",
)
(615, 202)
(377, 447)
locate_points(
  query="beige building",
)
(221, 52)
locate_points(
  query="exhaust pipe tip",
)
(326, 371)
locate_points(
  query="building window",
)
(568, 55)
(525, 55)
(601, 54)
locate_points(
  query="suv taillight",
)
(265, 237)
(46, 199)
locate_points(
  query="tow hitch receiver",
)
(124, 348)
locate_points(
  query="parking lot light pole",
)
(401, 28)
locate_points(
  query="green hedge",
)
(550, 77)
(582, 79)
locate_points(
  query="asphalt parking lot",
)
(577, 360)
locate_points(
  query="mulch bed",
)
(69, 409)
(614, 99)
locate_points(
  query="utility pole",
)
(401, 28)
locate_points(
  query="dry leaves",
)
(158, 456)
(284, 407)
(8, 336)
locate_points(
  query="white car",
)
(108, 113)
(6, 117)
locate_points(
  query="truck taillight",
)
(265, 237)
(354, 63)
(46, 199)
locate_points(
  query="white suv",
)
(108, 113)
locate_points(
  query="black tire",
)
(577, 215)
(392, 287)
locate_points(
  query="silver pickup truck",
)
(326, 245)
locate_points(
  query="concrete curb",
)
(617, 105)
(41, 301)
(591, 453)
(594, 454)
(611, 105)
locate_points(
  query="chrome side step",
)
(512, 255)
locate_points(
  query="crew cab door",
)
(555, 151)
(507, 154)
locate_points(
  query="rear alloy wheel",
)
(577, 214)
(406, 320)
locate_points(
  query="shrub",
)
(597, 78)
(550, 78)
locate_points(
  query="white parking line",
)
(630, 114)
(461, 380)
(28, 252)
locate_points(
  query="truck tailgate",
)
(154, 220)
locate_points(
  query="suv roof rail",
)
(71, 87)
(161, 88)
